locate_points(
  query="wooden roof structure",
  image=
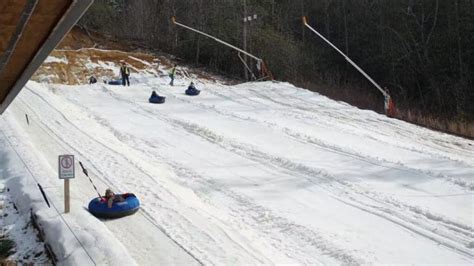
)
(29, 31)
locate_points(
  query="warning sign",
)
(66, 166)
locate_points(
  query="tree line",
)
(421, 50)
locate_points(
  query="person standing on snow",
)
(92, 80)
(125, 73)
(172, 73)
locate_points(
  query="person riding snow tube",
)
(114, 205)
(155, 98)
(192, 91)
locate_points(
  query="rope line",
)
(84, 170)
(161, 229)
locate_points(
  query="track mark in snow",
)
(364, 123)
(256, 155)
(297, 112)
(128, 139)
(374, 203)
(110, 163)
(306, 139)
(320, 244)
(311, 173)
(303, 233)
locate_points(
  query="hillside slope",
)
(257, 173)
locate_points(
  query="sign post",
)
(66, 172)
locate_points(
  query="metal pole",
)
(259, 60)
(347, 58)
(66, 196)
(215, 39)
(245, 38)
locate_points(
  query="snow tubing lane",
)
(192, 92)
(130, 205)
(159, 99)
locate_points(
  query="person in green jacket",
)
(172, 73)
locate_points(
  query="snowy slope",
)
(258, 173)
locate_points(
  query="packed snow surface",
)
(257, 173)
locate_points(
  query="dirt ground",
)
(83, 54)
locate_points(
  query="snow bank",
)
(94, 243)
(52, 59)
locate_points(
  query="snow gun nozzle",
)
(305, 20)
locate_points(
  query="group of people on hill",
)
(125, 76)
(191, 90)
(154, 98)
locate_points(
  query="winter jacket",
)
(124, 71)
(173, 71)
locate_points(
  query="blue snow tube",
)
(192, 91)
(98, 207)
(157, 99)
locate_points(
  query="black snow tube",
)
(192, 92)
(157, 99)
(115, 82)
